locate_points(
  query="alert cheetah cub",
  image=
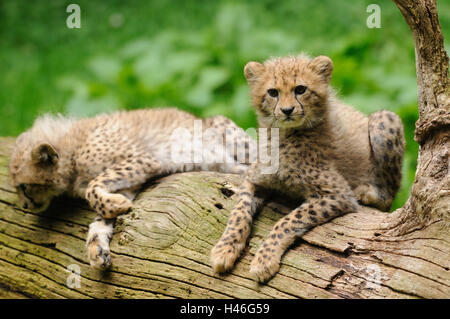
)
(107, 158)
(331, 157)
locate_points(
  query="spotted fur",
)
(106, 159)
(331, 157)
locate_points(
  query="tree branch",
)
(431, 66)
(430, 193)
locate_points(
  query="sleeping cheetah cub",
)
(107, 158)
(331, 157)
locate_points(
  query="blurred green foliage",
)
(191, 53)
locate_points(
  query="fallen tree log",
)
(161, 249)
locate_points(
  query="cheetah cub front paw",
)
(224, 255)
(108, 205)
(264, 265)
(117, 204)
(98, 253)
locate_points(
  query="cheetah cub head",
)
(290, 92)
(37, 169)
(31, 173)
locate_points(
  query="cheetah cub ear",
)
(322, 66)
(44, 154)
(253, 70)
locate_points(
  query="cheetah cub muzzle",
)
(331, 157)
(106, 159)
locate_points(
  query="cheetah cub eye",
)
(300, 89)
(272, 92)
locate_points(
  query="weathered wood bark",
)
(429, 200)
(161, 249)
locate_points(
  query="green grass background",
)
(191, 53)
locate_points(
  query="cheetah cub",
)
(331, 157)
(107, 158)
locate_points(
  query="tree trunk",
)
(429, 201)
(161, 249)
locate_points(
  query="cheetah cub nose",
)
(287, 110)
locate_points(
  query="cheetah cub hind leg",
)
(388, 146)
